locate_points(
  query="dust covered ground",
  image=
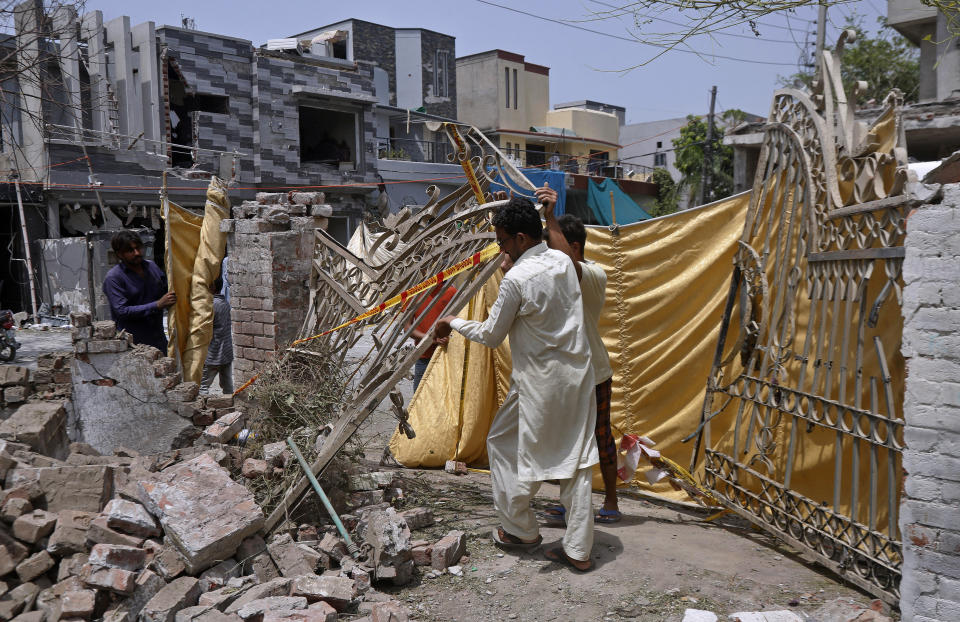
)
(660, 560)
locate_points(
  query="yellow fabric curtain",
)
(195, 248)
(206, 268)
(667, 283)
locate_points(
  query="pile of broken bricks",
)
(50, 380)
(174, 537)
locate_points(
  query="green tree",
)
(690, 149)
(885, 61)
(666, 202)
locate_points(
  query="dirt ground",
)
(658, 561)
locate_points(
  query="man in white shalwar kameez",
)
(540, 432)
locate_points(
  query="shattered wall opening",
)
(327, 136)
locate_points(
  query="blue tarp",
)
(598, 199)
(538, 177)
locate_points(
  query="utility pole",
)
(821, 35)
(706, 172)
(26, 250)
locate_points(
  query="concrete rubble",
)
(137, 534)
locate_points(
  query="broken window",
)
(184, 102)
(441, 75)
(327, 136)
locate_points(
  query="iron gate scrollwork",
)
(802, 424)
(419, 245)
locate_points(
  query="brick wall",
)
(270, 249)
(930, 509)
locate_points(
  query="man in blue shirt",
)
(137, 291)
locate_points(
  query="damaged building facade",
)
(98, 109)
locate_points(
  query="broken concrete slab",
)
(131, 518)
(82, 488)
(386, 532)
(70, 534)
(179, 594)
(42, 426)
(204, 513)
(129, 411)
(292, 558)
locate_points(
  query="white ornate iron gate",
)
(802, 421)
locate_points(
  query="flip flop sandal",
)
(510, 541)
(607, 516)
(555, 515)
(557, 554)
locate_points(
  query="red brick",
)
(78, 604)
(112, 579)
(242, 340)
(270, 330)
(250, 302)
(264, 343)
(422, 553)
(267, 304)
(253, 468)
(118, 556)
(448, 550)
(252, 328)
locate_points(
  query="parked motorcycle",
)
(8, 341)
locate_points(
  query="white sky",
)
(583, 65)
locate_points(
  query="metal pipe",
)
(26, 250)
(351, 547)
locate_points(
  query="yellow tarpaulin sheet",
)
(667, 285)
(195, 251)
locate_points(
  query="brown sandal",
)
(558, 555)
(510, 541)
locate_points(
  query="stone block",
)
(15, 395)
(11, 375)
(418, 518)
(448, 550)
(70, 533)
(292, 558)
(253, 468)
(106, 329)
(118, 556)
(256, 609)
(34, 525)
(179, 594)
(106, 346)
(41, 425)
(224, 428)
(34, 566)
(101, 533)
(15, 507)
(11, 553)
(110, 579)
(337, 591)
(204, 512)
(78, 604)
(131, 518)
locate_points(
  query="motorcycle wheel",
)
(7, 353)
